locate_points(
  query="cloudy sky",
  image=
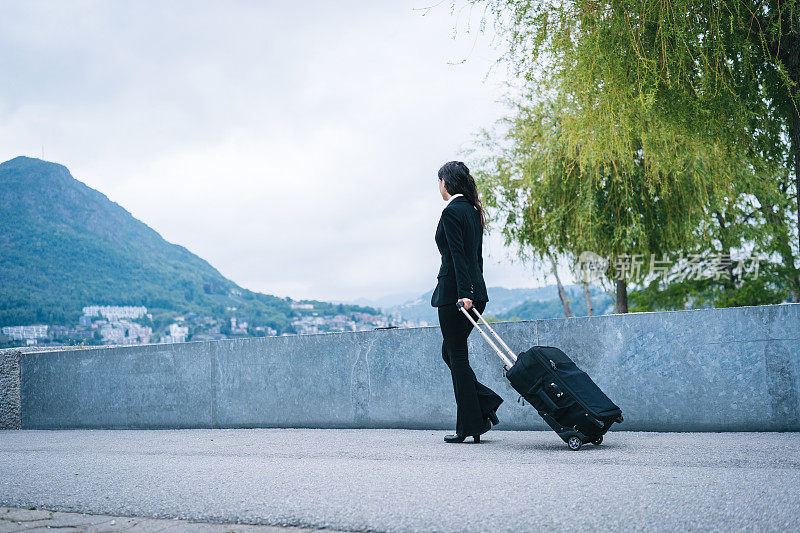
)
(293, 145)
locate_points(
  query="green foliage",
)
(547, 201)
(769, 287)
(641, 132)
(677, 76)
(65, 246)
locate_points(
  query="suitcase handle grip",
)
(505, 359)
(512, 357)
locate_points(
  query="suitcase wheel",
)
(574, 443)
(598, 441)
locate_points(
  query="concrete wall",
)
(734, 369)
(10, 401)
(10, 405)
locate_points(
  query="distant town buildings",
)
(315, 323)
(29, 334)
(72, 333)
(108, 324)
(115, 324)
(125, 332)
(113, 313)
(238, 328)
(177, 333)
(266, 330)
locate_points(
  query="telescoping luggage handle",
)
(509, 359)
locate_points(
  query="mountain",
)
(383, 302)
(64, 245)
(514, 304)
(602, 303)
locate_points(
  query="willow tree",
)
(662, 96)
(552, 204)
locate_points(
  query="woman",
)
(459, 238)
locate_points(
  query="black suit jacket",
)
(459, 237)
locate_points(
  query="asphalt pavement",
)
(403, 480)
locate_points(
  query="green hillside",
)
(602, 303)
(64, 245)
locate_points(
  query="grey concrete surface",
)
(405, 480)
(32, 519)
(735, 369)
(10, 385)
(10, 404)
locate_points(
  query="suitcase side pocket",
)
(537, 396)
(546, 400)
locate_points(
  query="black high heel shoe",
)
(493, 418)
(460, 438)
(475, 438)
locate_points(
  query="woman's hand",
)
(467, 303)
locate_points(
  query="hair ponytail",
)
(457, 179)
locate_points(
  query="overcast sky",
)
(293, 145)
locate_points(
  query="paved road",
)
(30, 520)
(400, 480)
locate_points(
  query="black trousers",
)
(474, 400)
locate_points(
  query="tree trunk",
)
(785, 250)
(788, 51)
(724, 239)
(796, 150)
(622, 296)
(588, 298)
(782, 244)
(561, 294)
(790, 57)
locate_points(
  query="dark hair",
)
(457, 179)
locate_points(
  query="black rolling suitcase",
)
(563, 394)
